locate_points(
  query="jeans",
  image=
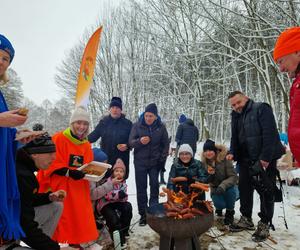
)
(141, 180)
(227, 199)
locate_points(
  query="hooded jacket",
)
(30, 198)
(187, 133)
(225, 175)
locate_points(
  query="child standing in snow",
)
(112, 201)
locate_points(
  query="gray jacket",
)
(225, 175)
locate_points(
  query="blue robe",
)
(9, 193)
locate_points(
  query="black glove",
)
(76, 174)
(122, 194)
(256, 169)
(218, 191)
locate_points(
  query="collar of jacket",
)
(24, 159)
(67, 133)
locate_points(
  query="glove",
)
(218, 191)
(76, 175)
(122, 194)
(255, 169)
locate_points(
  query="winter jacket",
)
(294, 121)
(225, 175)
(187, 133)
(30, 198)
(195, 171)
(109, 193)
(113, 132)
(156, 151)
(254, 131)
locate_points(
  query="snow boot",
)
(228, 220)
(219, 212)
(261, 233)
(143, 221)
(244, 223)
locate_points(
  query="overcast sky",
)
(42, 31)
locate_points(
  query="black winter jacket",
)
(254, 131)
(113, 132)
(30, 198)
(187, 133)
(156, 151)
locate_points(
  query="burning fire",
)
(184, 206)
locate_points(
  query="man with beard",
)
(255, 145)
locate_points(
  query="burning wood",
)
(184, 206)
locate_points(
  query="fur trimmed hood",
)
(221, 154)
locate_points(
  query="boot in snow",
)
(261, 233)
(244, 223)
(228, 220)
(219, 212)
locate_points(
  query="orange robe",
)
(77, 224)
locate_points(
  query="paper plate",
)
(92, 177)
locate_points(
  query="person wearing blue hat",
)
(10, 228)
(182, 118)
(150, 140)
(187, 133)
(113, 129)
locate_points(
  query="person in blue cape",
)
(10, 228)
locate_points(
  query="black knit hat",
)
(41, 145)
(209, 145)
(116, 102)
(152, 108)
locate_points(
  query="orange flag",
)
(87, 68)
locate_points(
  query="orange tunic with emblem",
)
(77, 224)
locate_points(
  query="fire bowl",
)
(168, 227)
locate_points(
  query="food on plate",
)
(94, 170)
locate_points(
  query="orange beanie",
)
(288, 42)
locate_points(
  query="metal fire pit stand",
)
(179, 234)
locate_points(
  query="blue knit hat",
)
(99, 155)
(7, 47)
(182, 118)
(116, 102)
(152, 108)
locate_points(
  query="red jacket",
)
(294, 121)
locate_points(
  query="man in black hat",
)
(149, 138)
(40, 212)
(114, 130)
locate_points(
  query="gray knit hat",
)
(80, 114)
(185, 148)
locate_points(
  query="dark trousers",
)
(118, 217)
(141, 180)
(246, 189)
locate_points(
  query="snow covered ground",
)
(145, 238)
